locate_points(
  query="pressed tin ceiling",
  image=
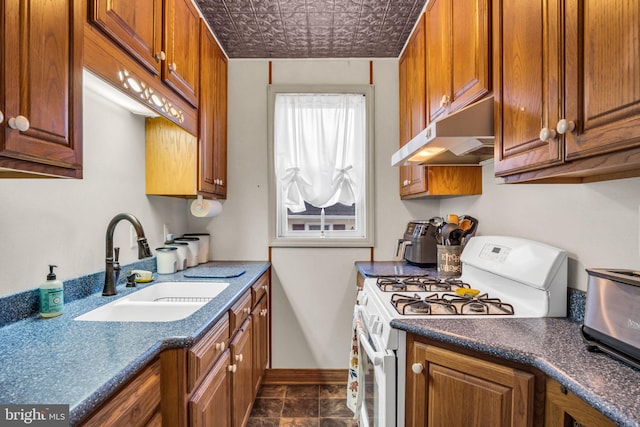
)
(311, 28)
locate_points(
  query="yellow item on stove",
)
(466, 292)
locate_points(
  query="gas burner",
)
(420, 284)
(480, 304)
(432, 304)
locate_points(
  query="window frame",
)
(329, 241)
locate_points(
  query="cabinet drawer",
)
(240, 311)
(136, 404)
(203, 355)
(260, 288)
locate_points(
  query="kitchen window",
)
(320, 161)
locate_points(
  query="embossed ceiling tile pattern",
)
(311, 28)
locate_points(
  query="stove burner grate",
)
(420, 284)
(432, 304)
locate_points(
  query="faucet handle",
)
(116, 254)
(131, 280)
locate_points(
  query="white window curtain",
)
(319, 141)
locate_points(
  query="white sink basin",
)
(162, 302)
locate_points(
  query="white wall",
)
(313, 289)
(63, 221)
(597, 223)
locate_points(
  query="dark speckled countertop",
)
(552, 345)
(80, 363)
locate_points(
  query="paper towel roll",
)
(203, 208)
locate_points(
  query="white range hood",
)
(464, 137)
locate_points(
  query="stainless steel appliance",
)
(419, 245)
(612, 314)
(501, 277)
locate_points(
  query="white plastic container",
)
(203, 248)
(166, 259)
(193, 242)
(182, 253)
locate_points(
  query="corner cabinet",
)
(41, 110)
(421, 181)
(563, 408)
(446, 388)
(137, 404)
(567, 90)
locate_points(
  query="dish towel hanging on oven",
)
(355, 389)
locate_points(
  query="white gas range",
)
(501, 277)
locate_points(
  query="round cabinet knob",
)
(233, 368)
(565, 126)
(20, 122)
(161, 56)
(547, 134)
(173, 66)
(263, 312)
(219, 346)
(1, 117)
(265, 288)
(417, 368)
(239, 357)
(444, 101)
(246, 310)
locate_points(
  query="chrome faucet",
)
(112, 265)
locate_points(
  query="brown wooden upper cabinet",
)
(162, 35)
(567, 90)
(212, 137)
(414, 75)
(412, 98)
(457, 54)
(41, 110)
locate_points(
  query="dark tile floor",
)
(301, 406)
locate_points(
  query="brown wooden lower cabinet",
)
(242, 376)
(563, 408)
(213, 383)
(210, 404)
(448, 389)
(137, 404)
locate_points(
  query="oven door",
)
(379, 366)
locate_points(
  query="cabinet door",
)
(260, 318)
(470, 52)
(210, 405)
(213, 116)
(602, 77)
(527, 89)
(41, 87)
(438, 54)
(181, 41)
(457, 54)
(242, 384)
(448, 389)
(135, 25)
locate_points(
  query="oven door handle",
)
(376, 357)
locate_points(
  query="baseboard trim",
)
(305, 376)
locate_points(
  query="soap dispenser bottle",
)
(51, 295)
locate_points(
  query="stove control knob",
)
(417, 368)
(362, 299)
